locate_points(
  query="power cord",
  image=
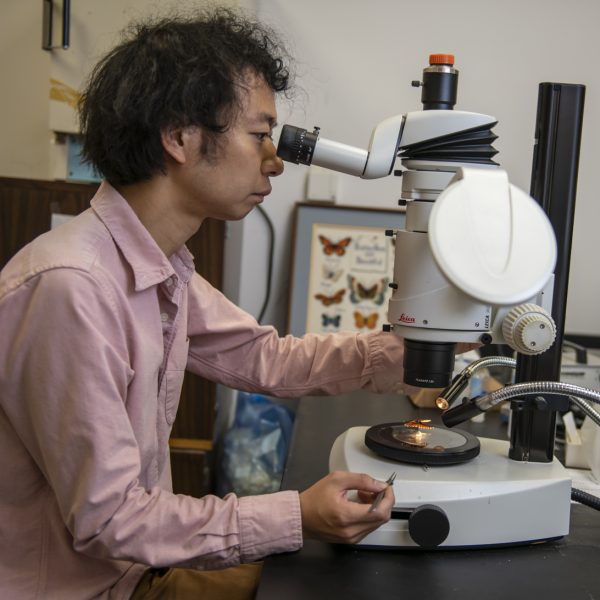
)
(585, 498)
(269, 223)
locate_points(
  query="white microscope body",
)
(473, 264)
(474, 246)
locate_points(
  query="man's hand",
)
(328, 514)
(462, 347)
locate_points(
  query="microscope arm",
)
(395, 133)
(299, 146)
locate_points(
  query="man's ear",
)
(180, 143)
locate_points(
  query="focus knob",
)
(528, 329)
(428, 526)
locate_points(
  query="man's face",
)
(236, 180)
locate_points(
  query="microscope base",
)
(488, 501)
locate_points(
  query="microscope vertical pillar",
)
(553, 185)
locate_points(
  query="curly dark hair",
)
(175, 72)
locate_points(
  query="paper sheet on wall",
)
(349, 276)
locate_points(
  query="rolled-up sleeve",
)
(269, 524)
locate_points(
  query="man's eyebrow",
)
(264, 117)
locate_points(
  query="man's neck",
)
(155, 202)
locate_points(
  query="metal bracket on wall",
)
(47, 25)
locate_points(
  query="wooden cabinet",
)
(26, 208)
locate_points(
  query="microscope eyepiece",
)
(297, 145)
(428, 364)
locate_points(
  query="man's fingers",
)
(357, 481)
(366, 497)
(363, 512)
(462, 347)
(366, 521)
(329, 514)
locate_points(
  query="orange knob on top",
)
(441, 59)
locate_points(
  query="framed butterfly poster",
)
(342, 263)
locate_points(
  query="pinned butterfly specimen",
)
(369, 321)
(338, 248)
(329, 320)
(359, 292)
(328, 300)
(331, 274)
(418, 424)
(414, 433)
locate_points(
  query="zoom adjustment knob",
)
(428, 526)
(529, 329)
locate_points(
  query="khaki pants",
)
(235, 583)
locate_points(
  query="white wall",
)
(356, 62)
(26, 69)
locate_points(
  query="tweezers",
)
(381, 494)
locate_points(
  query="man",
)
(101, 317)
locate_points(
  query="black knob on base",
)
(428, 526)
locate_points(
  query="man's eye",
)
(263, 135)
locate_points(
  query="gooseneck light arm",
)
(461, 380)
(476, 406)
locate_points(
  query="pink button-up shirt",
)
(97, 327)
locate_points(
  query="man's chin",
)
(242, 214)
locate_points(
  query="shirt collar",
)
(148, 262)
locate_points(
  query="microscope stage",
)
(488, 501)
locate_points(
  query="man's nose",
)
(272, 165)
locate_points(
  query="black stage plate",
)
(420, 443)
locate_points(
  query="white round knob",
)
(529, 329)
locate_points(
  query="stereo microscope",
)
(478, 261)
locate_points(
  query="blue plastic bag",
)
(255, 447)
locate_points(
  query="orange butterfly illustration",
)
(369, 321)
(335, 299)
(330, 247)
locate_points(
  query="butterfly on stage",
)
(329, 320)
(328, 300)
(331, 274)
(359, 292)
(330, 247)
(417, 434)
(418, 424)
(369, 321)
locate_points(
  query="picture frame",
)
(342, 264)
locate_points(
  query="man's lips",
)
(262, 194)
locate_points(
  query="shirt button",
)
(170, 282)
(164, 317)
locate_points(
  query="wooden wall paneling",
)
(26, 207)
(195, 419)
(196, 412)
